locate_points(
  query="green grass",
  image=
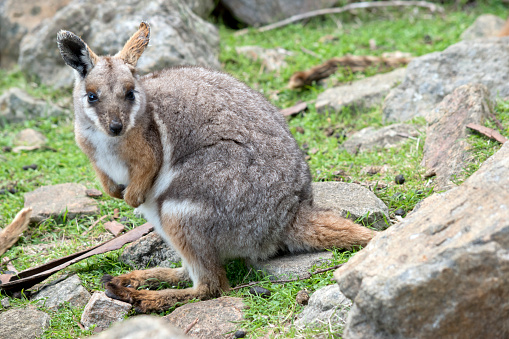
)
(319, 134)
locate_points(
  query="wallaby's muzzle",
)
(116, 127)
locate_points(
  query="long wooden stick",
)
(11, 233)
(432, 7)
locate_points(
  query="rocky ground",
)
(438, 272)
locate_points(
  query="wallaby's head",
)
(107, 92)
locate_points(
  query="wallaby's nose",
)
(115, 127)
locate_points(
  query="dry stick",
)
(282, 281)
(432, 7)
(496, 121)
(191, 326)
(95, 223)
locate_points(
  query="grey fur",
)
(236, 156)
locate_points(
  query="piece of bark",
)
(356, 63)
(11, 234)
(490, 133)
(114, 227)
(297, 108)
(93, 193)
(28, 278)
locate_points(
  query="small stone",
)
(30, 137)
(6, 149)
(302, 297)
(142, 327)
(27, 167)
(69, 290)
(216, 318)
(5, 302)
(12, 190)
(260, 291)
(49, 201)
(400, 179)
(401, 212)
(240, 334)
(102, 311)
(23, 323)
(93, 193)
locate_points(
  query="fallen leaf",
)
(114, 227)
(297, 108)
(490, 133)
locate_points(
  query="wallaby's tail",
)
(317, 229)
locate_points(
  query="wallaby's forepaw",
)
(134, 198)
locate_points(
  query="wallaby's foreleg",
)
(110, 187)
(143, 166)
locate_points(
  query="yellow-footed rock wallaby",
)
(206, 159)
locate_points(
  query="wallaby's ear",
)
(76, 53)
(136, 45)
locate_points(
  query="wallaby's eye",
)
(130, 95)
(92, 97)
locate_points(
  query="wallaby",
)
(206, 159)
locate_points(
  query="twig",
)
(191, 326)
(307, 51)
(282, 281)
(432, 7)
(8, 263)
(93, 225)
(496, 121)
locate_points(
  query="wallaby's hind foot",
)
(156, 301)
(317, 229)
(150, 278)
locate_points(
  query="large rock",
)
(70, 290)
(142, 327)
(178, 36)
(16, 106)
(260, 12)
(216, 318)
(446, 148)
(431, 77)
(55, 200)
(359, 94)
(442, 272)
(202, 8)
(326, 305)
(23, 323)
(385, 137)
(351, 201)
(485, 26)
(102, 311)
(149, 251)
(17, 18)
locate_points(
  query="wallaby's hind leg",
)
(316, 229)
(150, 277)
(200, 260)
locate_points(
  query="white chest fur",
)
(106, 155)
